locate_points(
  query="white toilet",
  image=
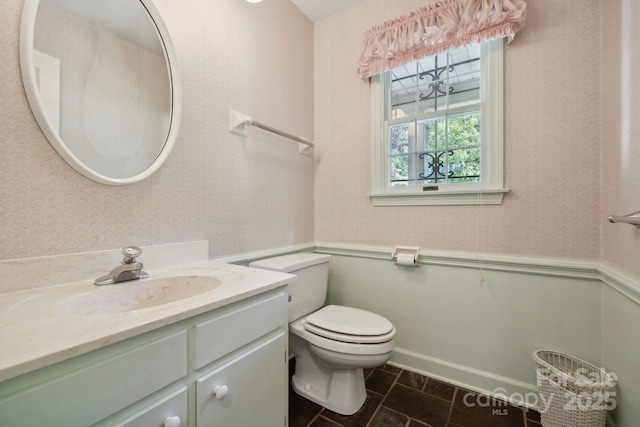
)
(333, 344)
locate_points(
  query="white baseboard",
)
(495, 386)
(515, 392)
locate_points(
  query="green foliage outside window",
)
(462, 142)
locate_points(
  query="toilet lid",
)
(353, 339)
(349, 324)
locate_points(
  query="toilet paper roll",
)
(406, 259)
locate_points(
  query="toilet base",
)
(331, 373)
(341, 391)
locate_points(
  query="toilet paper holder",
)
(406, 255)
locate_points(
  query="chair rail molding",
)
(607, 274)
(512, 263)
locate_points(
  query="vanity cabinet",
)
(174, 405)
(236, 393)
(226, 367)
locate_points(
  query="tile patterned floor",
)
(399, 398)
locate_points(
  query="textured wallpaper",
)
(552, 142)
(570, 123)
(239, 194)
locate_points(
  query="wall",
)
(552, 140)
(620, 196)
(620, 131)
(244, 195)
(475, 327)
(475, 320)
(571, 125)
(240, 195)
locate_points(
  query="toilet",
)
(332, 344)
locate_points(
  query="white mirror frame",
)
(27, 30)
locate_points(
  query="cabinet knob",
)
(221, 391)
(172, 421)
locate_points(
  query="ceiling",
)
(318, 9)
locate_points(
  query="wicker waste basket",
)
(573, 393)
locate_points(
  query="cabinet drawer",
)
(256, 393)
(88, 395)
(174, 405)
(230, 331)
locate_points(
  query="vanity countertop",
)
(36, 332)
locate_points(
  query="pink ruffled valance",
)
(437, 28)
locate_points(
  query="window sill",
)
(440, 198)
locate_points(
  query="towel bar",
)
(238, 123)
(632, 218)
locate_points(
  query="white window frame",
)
(490, 189)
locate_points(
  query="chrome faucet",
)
(129, 269)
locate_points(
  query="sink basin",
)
(137, 294)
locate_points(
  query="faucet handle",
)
(130, 254)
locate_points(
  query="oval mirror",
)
(102, 81)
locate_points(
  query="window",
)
(437, 129)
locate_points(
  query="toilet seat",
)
(349, 325)
(298, 328)
(353, 339)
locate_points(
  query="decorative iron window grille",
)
(434, 123)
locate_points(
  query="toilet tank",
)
(308, 292)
